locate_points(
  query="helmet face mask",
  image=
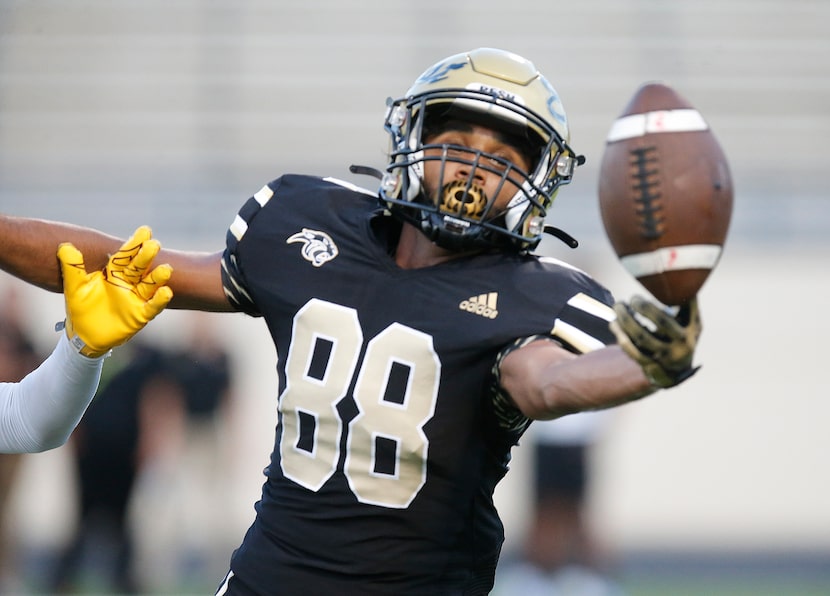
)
(506, 94)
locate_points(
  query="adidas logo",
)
(483, 304)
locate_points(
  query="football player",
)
(104, 309)
(418, 335)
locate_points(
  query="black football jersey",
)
(388, 446)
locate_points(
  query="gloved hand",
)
(662, 344)
(104, 309)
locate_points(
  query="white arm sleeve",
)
(42, 410)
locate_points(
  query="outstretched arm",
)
(27, 251)
(546, 381)
(655, 351)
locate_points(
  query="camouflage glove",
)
(662, 344)
(104, 309)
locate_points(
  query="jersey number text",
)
(395, 390)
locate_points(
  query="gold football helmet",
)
(504, 92)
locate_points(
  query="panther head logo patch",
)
(318, 247)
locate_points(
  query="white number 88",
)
(386, 449)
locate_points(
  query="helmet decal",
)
(555, 104)
(439, 72)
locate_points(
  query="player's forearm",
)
(28, 248)
(196, 281)
(597, 380)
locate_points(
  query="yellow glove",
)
(662, 344)
(104, 309)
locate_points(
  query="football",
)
(665, 193)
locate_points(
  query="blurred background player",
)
(111, 444)
(18, 357)
(156, 408)
(562, 553)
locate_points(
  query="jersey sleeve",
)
(583, 324)
(580, 326)
(233, 275)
